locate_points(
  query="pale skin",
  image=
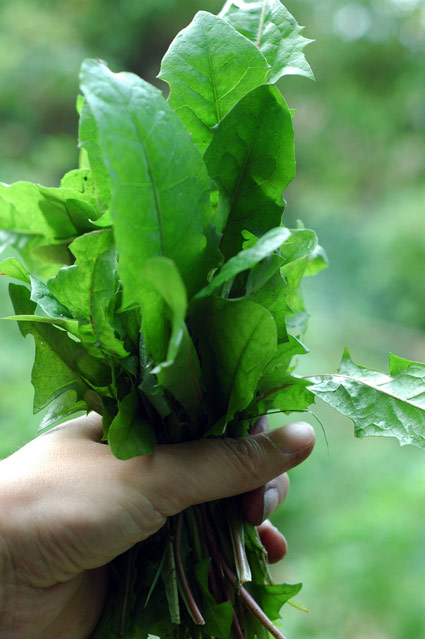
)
(69, 507)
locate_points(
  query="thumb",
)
(181, 475)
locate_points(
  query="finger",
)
(259, 504)
(273, 541)
(180, 475)
(260, 426)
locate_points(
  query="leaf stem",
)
(193, 606)
(261, 24)
(250, 603)
(129, 560)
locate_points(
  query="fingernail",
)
(271, 500)
(294, 437)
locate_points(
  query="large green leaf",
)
(275, 31)
(236, 340)
(389, 405)
(210, 67)
(156, 175)
(251, 158)
(89, 142)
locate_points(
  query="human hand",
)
(72, 507)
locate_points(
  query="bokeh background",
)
(355, 519)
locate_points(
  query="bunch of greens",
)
(163, 291)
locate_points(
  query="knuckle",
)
(247, 455)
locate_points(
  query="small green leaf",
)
(130, 434)
(251, 159)
(274, 30)
(388, 405)
(62, 407)
(271, 598)
(247, 258)
(11, 267)
(210, 67)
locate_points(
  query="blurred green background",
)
(355, 516)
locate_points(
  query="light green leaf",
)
(89, 143)
(251, 159)
(130, 434)
(11, 267)
(274, 30)
(236, 341)
(157, 176)
(210, 67)
(247, 258)
(388, 405)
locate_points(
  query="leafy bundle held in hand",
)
(163, 291)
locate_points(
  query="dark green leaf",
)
(285, 392)
(157, 176)
(62, 407)
(210, 67)
(388, 405)
(130, 434)
(251, 159)
(275, 31)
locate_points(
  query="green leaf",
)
(183, 378)
(11, 267)
(247, 258)
(60, 363)
(62, 407)
(163, 305)
(272, 296)
(251, 159)
(285, 392)
(41, 295)
(71, 326)
(236, 341)
(89, 143)
(275, 31)
(210, 67)
(388, 405)
(271, 598)
(89, 288)
(130, 434)
(157, 176)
